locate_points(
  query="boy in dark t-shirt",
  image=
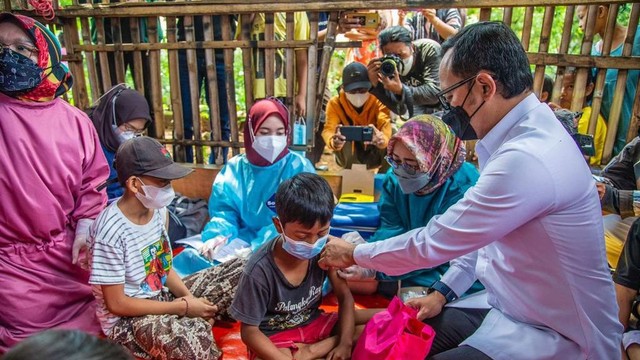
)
(280, 290)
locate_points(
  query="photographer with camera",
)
(358, 125)
(406, 78)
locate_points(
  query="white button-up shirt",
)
(534, 218)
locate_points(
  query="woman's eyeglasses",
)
(410, 169)
(21, 49)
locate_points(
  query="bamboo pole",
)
(634, 122)
(221, 7)
(156, 80)
(104, 60)
(71, 37)
(538, 79)
(312, 89)
(526, 28)
(596, 101)
(248, 65)
(175, 93)
(230, 85)
(580, 79)
(485, 14)
(268, 55)
(212, 83)
(618, 97)
(290, 63)
(216, 44)
(91, 64)
(325, 61)
(562, 50)
(632, 130)
(116, 34)
(194, 85)
(621, 81)
(507, 16)
(138, 74)
(605, 62)
(187, 142)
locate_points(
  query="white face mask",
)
(269, 146)
(155, 197)
(408, 63)
(123, 136)
(357, 100)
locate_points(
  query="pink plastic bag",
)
(394, 334)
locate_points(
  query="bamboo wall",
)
(82, 55)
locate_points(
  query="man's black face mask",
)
(455, 116)
(460, 123)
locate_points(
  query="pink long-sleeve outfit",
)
(50, 166)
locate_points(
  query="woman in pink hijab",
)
(51, 164)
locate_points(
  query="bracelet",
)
(186, 311)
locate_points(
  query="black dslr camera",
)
(391, 63)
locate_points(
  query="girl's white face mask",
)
(357, 100)
(155, 197)
(123, 135)
(269, 146)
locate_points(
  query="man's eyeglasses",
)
(410, 169)
(441, 95)
(21, 49)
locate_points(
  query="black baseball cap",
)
(143, 155)
(355, 76)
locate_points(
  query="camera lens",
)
(388, 67)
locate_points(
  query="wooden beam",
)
(224, 44)
(131, 9)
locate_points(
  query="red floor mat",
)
(228, 334)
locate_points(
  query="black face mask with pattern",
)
(18, 73)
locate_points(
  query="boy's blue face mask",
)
(303, 250)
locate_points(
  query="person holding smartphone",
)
(355, 109)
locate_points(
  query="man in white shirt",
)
(533, 217)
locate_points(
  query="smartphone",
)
(357, 133)
(585, 142)
(367, 20)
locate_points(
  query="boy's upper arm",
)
(339, 284)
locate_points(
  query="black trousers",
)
(452, 326)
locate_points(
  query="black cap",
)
(146, 156)
(355, 76)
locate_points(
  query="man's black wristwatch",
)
(443, 289)
(634, 307)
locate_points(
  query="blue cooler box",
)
(361, 217)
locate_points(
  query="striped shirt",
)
(421, 28)
(121, 252)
